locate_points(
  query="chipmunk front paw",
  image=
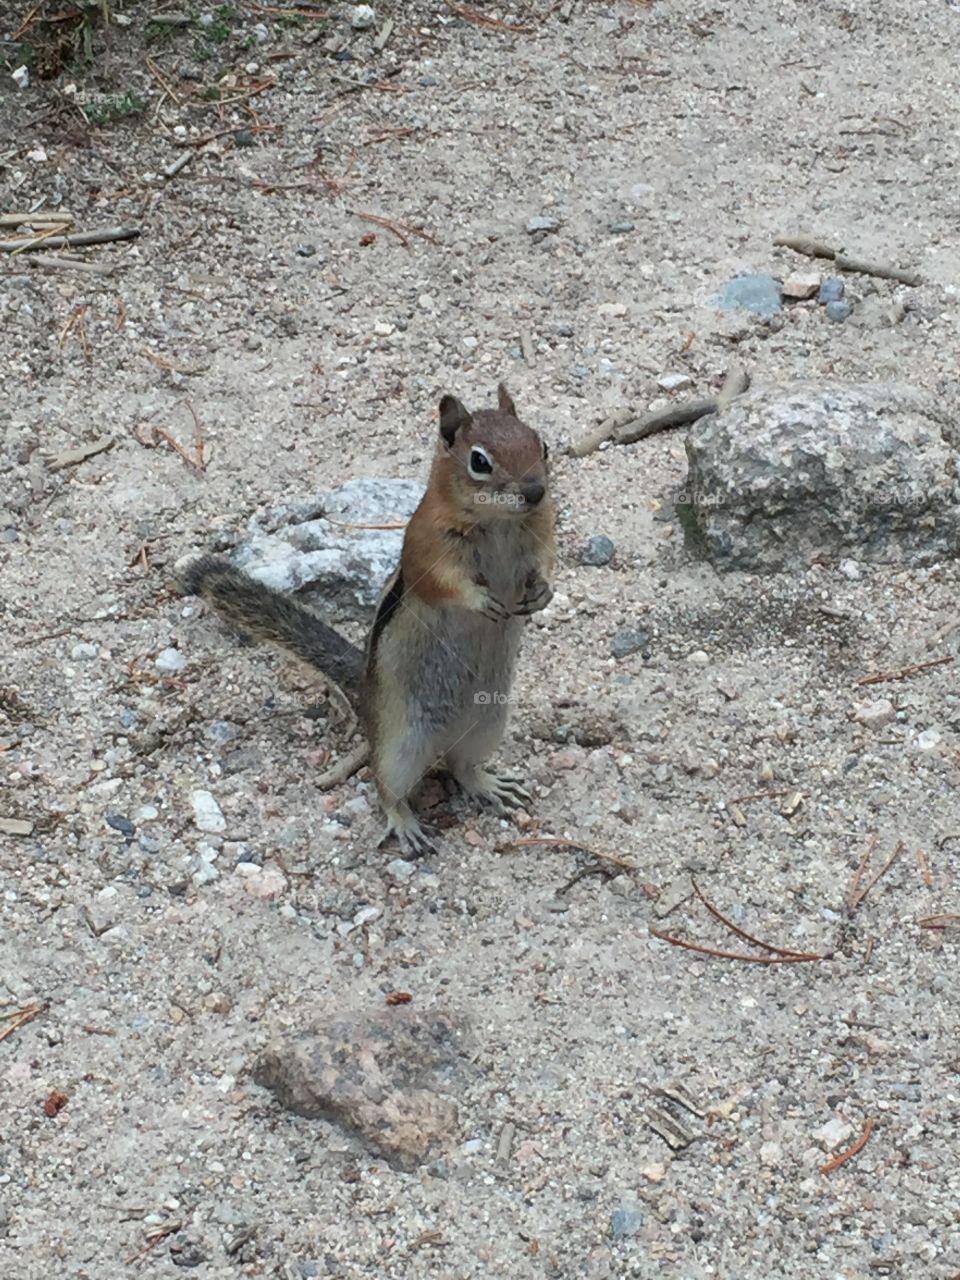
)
(537, 594)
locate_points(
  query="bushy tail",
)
(276, 617)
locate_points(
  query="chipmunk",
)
(434, 684)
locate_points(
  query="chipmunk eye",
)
(543, 447)
(480, 463)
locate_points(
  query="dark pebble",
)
(244, 138)
(343, 55)
(123, 825)
(9, 535)
(831, 290)
(621, 228)
(427, 82)
(626, 642)
(149, 844)
(838, 311)
(219, 731)
(306, 250)
(563, 330)
(242, 758)
(145, 891)
(597, 550)
(128, 718)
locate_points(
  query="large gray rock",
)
(385, 1078)
(811, 472)
(311, 542)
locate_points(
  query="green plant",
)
(113, 108)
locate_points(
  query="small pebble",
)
(621, 228)
(83, 652)
(169, 661)
(674, 381)
(362, 17)
(597, 551)
(207, 813)
(626, 642)
(831, 290)
(838, 311)
(306, 250)
(244, 138)
(760, 294)
(123, 825)
(400, 869)
(801, 285)
(541, 222)
(9, 535)
(625, 1221)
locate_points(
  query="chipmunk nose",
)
(533, 493)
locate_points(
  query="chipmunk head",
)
(496, 464)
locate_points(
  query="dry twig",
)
(850, 1152)
(856, 894)
(730, 955)
(560, 842)
(48, 241)
(885, 677)
(748, 937)
(485, 20)
(399, 229)
(811, 247)
(20, 1017)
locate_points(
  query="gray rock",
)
(400, 869)
(83, 652)
(243, 137)
(626, 642)
(541, 222)
(299, 547)
(810, 472)
(838, 311)
(621, 228)
(625, 1221)
(597, 551)
(383, 1077)
(9, 534)
(306, 250)
(831, 290)
(760, 294)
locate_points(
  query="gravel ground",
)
(173, 934)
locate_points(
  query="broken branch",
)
(69, 241)
(813, 248)
(730, 955)
(884, 677)
(735, 384)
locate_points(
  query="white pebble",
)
(83, 652)
(876, 714)
(673, 381)
(169, 661)
(207, 813)
(362, 18)
(21, 77)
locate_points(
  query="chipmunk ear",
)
(453, 416)
(505, 401)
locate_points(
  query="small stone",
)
(760, 294)
(654, 1172)
(621, 228)
(147, 813)
(542, 222)
(771, 1154)
(123, 825)
(699, 658)
(169, 661)
(626, 642)
(598, 550)
(472, 1146)
(204, 872)
(625, 1221)
(383, 328)
(878, 312)
(831, 290)
(101, 914)
(362, 18)
(206, 813)
(838, 311)
(262, 882)
(385, 1078)
(9, 535)
(928, 740)
(244, 138)
(83, 652)
(851, 570)
(801, 284)
(219, 731)
(20, 77)
(834, 1133)
(612, 309)
(306, 250)
(674, 381)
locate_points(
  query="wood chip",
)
(505, 1144)
(674, 1134)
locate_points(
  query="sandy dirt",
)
(313, 344)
